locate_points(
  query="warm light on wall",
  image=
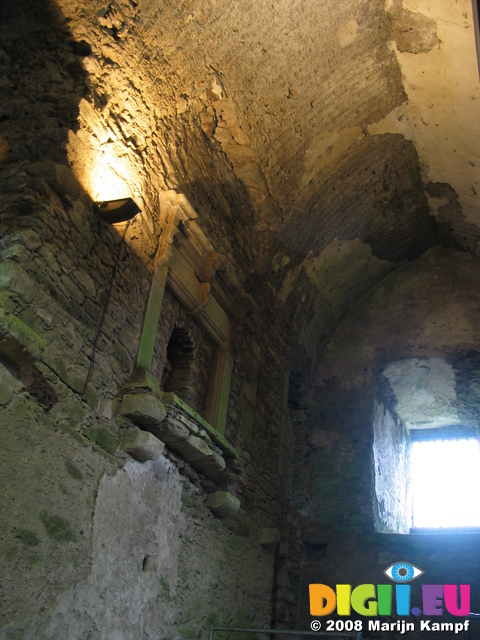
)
(109, 176)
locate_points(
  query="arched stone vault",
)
(329, 153)
(303, 124)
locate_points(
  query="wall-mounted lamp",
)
(114, 211)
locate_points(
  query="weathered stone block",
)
(171, 432)
(141, 445)
(269, 536)
(223, 504)
(226, 477)
(71, 371)
(286, 595)
(282, 579)
(14, 278)
(8, 385)
(211, 465)
(175, 405)
(103, 437)
(193, 449)
(19, 343)
(58, 177)
(142, 379)
(69, 410)
(143, 409)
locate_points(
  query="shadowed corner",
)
(3, 150)
(42, 106)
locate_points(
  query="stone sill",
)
(219, 440)
(184, 431)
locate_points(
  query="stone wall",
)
(81, 521)
(94, 541)
(239, 108)
(427, 309)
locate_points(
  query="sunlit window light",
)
(445, 483)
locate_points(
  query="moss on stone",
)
(19, 408)
(21, 342)
(76, 436)
(28, 537)
(57, 528)
(186, 500)
(90, 396)
(164, 586)
(233, 543)
(73, 470)
(72, 411)
(187, 633)
(210, 619)
(103, 437)
(240, 620)
(32, 561)
(73, 381)
(6, 302)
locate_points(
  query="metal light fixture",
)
(114, 211)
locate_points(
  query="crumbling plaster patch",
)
(392, 504)
(331, 271)
(325, 149)
(136, 525)
(427, 308)
(347, 33)
(328, 284)
(441, 113)
(425, 391)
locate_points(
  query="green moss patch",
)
(103, 437)
(26, 536)
(57, 528)
(32, 561)
(73, 470)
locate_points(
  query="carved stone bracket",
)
(174, 208)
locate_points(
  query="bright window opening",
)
(445, 483)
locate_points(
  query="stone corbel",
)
(174, 210)
(205, 283)
(223, 504)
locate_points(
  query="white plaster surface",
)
(425, 391)
(136, 526)
(442, 112)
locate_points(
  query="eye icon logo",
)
(403, 572)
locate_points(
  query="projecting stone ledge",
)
(171, 422)
(144, 409)
(141, 445)
(179, 409)
(269, 536)
(19, 343)
(223, 504)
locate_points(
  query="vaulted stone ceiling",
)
(336, 139)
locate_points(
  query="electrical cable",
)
(110, 287)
